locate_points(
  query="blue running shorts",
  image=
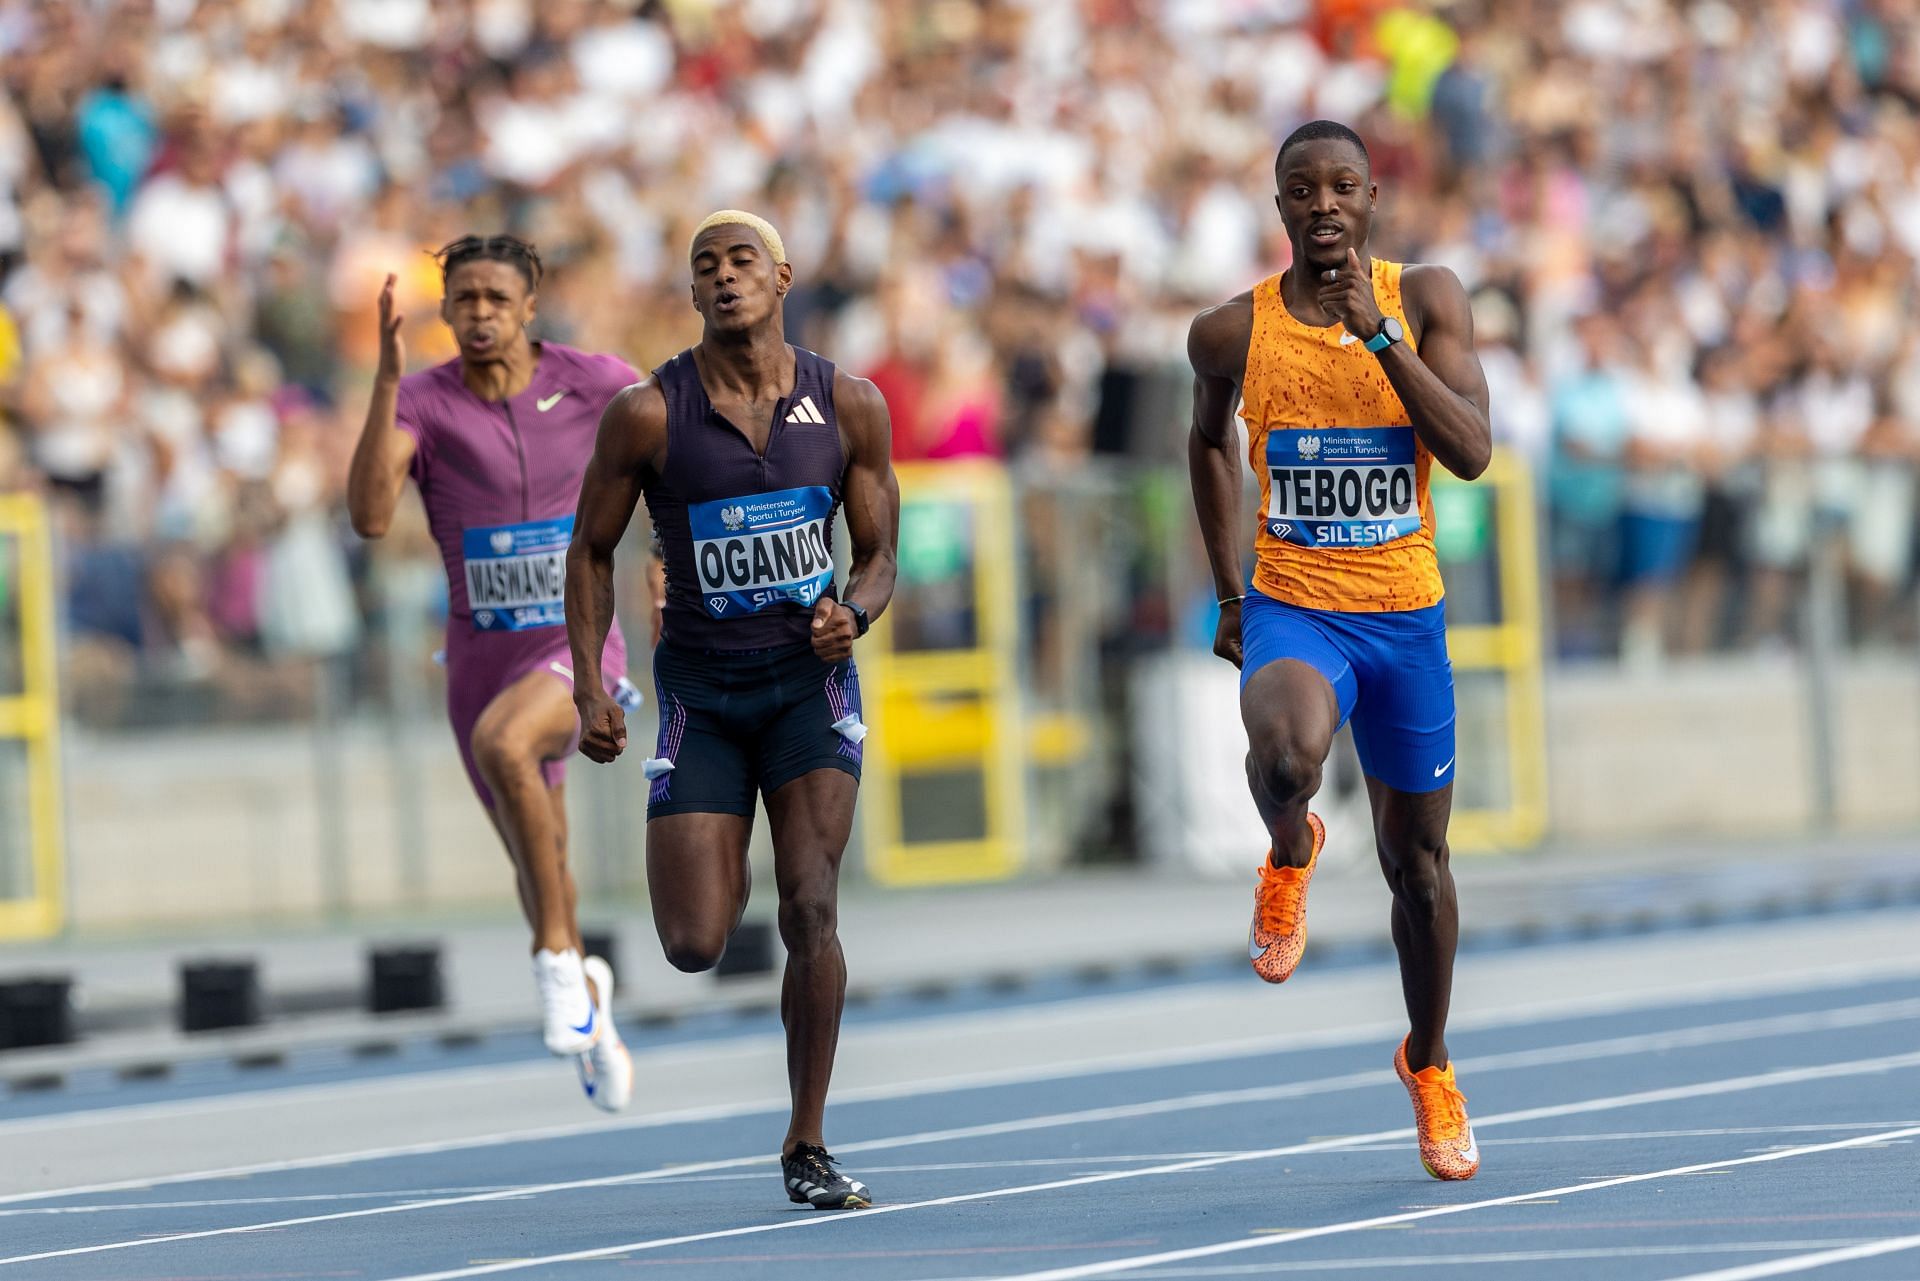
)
(1389, 671)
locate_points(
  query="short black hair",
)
(512, 250)
(1316, 131)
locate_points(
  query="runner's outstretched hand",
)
(393, 350)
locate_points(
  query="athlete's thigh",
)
(534, 716)
(699, 803)
(697, 875)
(1403, 727)
(813, 725)
(1296, 686)
(702, 761)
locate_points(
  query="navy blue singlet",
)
(748, 539)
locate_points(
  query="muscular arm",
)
(871, 497)
(870, 493)
(631, 441)
(1443, 386)
(1217, 349)
(380, 462)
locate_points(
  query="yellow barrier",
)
(949, 711)
(32, 717)
(1511, 648)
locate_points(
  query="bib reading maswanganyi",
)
(517, 574)
(762, 550)
(1342, 487)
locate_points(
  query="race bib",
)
(762, 550)
(517, 574)
(1344, 487)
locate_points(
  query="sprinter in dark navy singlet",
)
(747, 449)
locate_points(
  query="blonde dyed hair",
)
(740, 217)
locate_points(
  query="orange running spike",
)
(1278, 935)
(1440, 1119)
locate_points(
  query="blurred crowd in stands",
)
(1689, 227)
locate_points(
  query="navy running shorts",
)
(733, 724)
(1390, 672)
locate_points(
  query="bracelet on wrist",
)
(1231, 600)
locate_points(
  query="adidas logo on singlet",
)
(804, 412)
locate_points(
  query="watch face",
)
(1391, 328)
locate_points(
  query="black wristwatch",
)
(860, 620)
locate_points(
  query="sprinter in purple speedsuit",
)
(496, 441)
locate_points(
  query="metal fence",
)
(1039, 611)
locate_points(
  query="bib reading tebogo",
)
(762, 550)
(517, 574)
(1342, 487)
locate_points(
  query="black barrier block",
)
(749, 951)
(35, 1011)
(404, 978)
(603, 943)
(218, 994)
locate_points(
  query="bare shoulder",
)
(639, 405)
(1217, 340)
(1431, 287)
(866, 428)
(857, 397)
(633, 427)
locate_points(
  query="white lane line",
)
(410, 1194)
(456, 1274)
(1213, 1098)
(1239, 1244)
(401, 1194)
(1713, 1034)
(1085, 1159)
(1730, 1085)
(1808, 1262)
(1271, 1266)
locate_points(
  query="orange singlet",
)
(1346, 523)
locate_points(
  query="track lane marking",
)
(1724, 1085)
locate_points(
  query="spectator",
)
(115, 130)
(1585, 472)
(181, 223)
(75, 402)
(1730, 470)
(1005, 213)
(1663, 494)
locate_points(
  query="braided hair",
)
(512, 250)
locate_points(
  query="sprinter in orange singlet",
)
(1353, 375)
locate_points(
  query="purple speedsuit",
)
(501, 480)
